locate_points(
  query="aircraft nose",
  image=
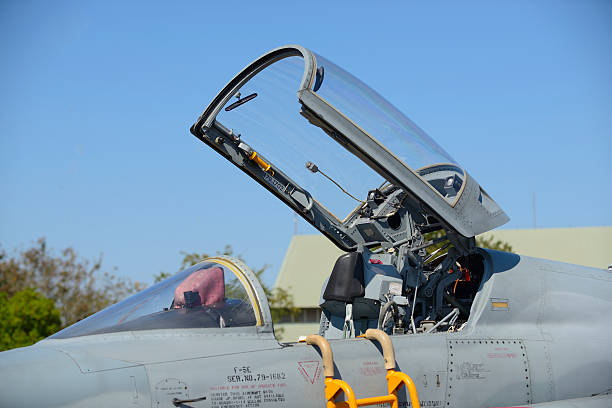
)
(35, 376)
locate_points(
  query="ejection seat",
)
(205, 288)
(352, 296)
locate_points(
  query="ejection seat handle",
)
(387, 346)
(326, 353)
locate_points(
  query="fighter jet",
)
(413, 313)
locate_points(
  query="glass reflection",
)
(272, 125)
(207, 295)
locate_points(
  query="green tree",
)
(78, 287)
(26, 318)
(492, 243)
(482, 242)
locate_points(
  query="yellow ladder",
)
(334, 386)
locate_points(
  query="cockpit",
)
(358, 170)
(369, 179)
(216, 293)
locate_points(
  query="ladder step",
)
(334, 386)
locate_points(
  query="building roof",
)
(308, 262)
(310, 258)
(588, 246)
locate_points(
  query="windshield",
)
(390, 127)
(378, 117)
(208, 294)
(265, 114)
(271, 124)
(326, 144)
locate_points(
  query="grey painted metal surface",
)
(529, 353)
(596, 401)
(529, 331)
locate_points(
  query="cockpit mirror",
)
(240, 101)
(452, 185)
(319, 79)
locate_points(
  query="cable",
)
(384, 311)
(313, 168)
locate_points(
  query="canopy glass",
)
(359, 143)
(265, 113)
(212, 294)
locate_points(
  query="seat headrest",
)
(209, 283)
(346, 280)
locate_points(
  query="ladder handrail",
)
(326, 353)
(385, 343)
(395, 379)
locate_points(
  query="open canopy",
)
(263, 122)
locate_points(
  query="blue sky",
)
(96, 99)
